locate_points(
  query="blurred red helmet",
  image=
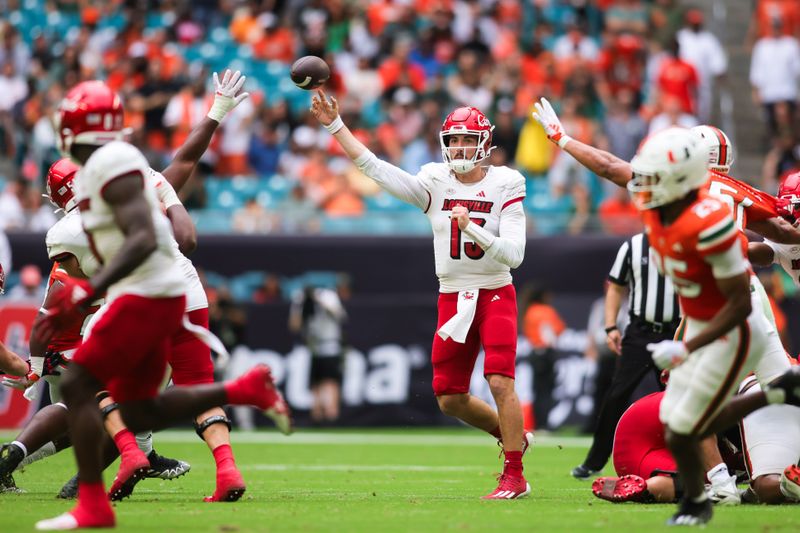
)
(91, 113)
(466, 121)
(59, 184)
(789, 191)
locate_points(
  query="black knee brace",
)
(108, 409)
(676, 479)
(216, 419)
(102, 395)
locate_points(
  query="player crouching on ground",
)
(124, 353)
(479, 236)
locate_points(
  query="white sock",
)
(719, 474)
(700, 499)
(145, 442)
(45, 451)
(21, 446)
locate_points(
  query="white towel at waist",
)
(209, 339)
(458, 326)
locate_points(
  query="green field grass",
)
(367, 480)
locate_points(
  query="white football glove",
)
(668, 354)
(226, 94)
(546, 116)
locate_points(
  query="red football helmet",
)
(59, 184)
(91, 113)
(789, 191)
(466, 121)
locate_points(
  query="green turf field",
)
(371, 481)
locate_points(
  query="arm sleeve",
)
(728, 263)
(509, 246)
(395, 180)
(621, 269)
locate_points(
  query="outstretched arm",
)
(776, 229)
(602, 163)
(11, 363)
(395, 180)
(226, 96)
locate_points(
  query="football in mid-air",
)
(310, 72)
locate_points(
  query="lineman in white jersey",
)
(126, 351)
(479, 234)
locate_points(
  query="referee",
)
(654, 314)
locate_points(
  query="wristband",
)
(335, 126)
(219, 109)
(610, 329)
(562, 142)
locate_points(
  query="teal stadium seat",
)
(212, 220)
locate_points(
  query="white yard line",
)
(359, 468)
(372, 439)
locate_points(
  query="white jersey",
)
(196, 294)
(482, 255)
(159, 275)
(788, 257)
(66, 237)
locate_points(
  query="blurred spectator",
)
(235, 140)
(29, 289)
(766, 14)
(276, 42)
(627, 16)
(672, 114)
(621, 66)
(338, 198)
(317, 315)
(226, 319)
(269, 291)
(618, 215)
(397, 70)
(704, 52)
(541, 325)
(13, 49)
(780, 161)
(252, 218)
(5, 252)
(677, 78)
(298, 212)
(186, 109)
(774, 73)
(12, 215)
(265, 149)
(666, 17)
(466, 86)
(623, 127)
(575, 46)
(39, 216)
(505, 135)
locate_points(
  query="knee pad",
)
(211, 420)
(676, 479)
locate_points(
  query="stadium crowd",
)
(617, 69)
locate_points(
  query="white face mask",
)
(462, 165)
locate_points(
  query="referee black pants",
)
(633, 365)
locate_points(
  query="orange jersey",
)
(747, 203)
(705, 228)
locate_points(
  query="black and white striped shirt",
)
(651, 296)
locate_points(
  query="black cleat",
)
(583, 472)
(11, 456)
(692, 514)
(70, 489)
(165, 468)
(789, 383)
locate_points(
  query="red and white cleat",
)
(621, 489)
(79, 518)
(131, 471)
(230, 486)
(260, 389)
(790, 483)
(510, 488)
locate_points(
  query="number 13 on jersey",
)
(472, 250)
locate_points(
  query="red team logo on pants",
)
(494, 327)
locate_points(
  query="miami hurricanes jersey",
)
(460, 263)
(681, 249)
(159, 275)
(746, 202)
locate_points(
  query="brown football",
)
(309, 72)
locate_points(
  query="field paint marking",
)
(372, 439)
(360, 468)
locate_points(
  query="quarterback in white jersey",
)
(479, 235)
